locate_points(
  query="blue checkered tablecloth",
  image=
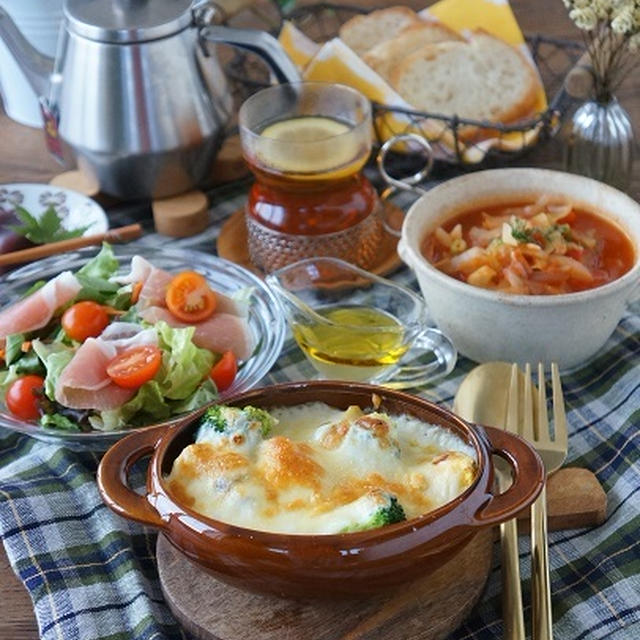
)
(93, 575)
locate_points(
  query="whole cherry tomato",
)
(21, 398)
(84, 320)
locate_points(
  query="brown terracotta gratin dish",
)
(341, 564)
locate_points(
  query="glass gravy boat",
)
(354, 325)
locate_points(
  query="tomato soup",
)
(541, 248)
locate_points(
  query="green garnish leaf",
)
(520, 232)
(46, 229)
(27, 220)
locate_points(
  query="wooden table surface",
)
(23, 158)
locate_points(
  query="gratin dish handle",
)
(528, 477)
(113, 471)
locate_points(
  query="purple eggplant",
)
(10, 240)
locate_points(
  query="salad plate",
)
(266, 324)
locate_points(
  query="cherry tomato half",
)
(189, 297)
(84, 320)
(133, 367)
(21, 399)
(224, 371)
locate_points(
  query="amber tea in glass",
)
(306, 145)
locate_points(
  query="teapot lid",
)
(127, 20)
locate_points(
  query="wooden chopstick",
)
(120, 234)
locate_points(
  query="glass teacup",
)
(354, 325)
(306, 145)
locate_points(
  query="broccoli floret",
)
(265, 419)
(376, 509)
(390, 514)
(247, 425)
(215, 418)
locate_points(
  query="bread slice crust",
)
(384, 57)
(484, 79)
(364, 31)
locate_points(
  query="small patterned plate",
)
(73, 208)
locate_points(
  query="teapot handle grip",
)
(259, 42)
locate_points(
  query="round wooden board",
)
(428, 609)
(233, 245)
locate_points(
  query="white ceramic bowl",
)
(488, 325)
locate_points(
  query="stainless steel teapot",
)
(136, 95)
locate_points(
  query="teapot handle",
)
(258, 42)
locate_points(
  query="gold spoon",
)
(482, 398)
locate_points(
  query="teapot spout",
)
(36, 67)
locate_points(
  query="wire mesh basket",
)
(553, 58)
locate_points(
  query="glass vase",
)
(599, 143)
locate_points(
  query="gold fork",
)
(530, 421)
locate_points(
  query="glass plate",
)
(266, 322)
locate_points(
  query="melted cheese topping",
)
(322, 470)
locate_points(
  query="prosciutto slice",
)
(221, 332)
(154, 288)
(84, 383)
(35, 311)
(154, 282)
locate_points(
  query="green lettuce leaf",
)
(181, 384)
(147, 403)
(27, 363)
(204, 394)
(13, 347)
(58, 421)
(184, 366)
(7, 376)
(55, 356)
(102, 266)
(95, 278)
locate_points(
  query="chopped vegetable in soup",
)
(539, 248)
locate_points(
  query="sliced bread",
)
(363, 32)
(483, 79)
(384, 57)
(512, 72)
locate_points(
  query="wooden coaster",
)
(182, 215)
(427, 609)
(77, 181)
(575, 499)
(229, 164)
(233, 244)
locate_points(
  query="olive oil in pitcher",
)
(354, 325)
(355, 342)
